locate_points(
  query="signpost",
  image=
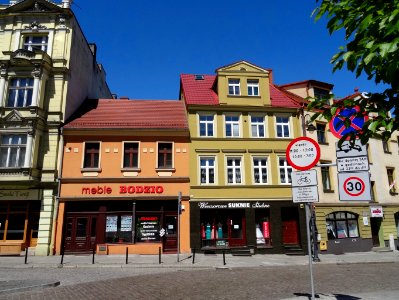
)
(354, 186)
(304, 186)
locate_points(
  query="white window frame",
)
(260, 168)
(30, 45)
(232, 124)
(21, 34)
(173, 155)
(234, 168)
(123, 154)
(19, 148)
(283, 125)
(84, 154)
(206, 122)
(26, 90)
(207, 168)
(257, 125)
(253, 87)
(232, 83)
(286, 167)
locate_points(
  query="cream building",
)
(47, 69)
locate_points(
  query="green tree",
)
(372, 48)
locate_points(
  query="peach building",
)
(125, 180)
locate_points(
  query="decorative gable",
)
(30, 6)
(242, 66)
(14, 116)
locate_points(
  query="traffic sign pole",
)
(307, 212)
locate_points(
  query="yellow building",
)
(47, 69)
(240, 192)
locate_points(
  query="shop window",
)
(16, 227)
(92, 155)
(36, 42)
(165, 155)
(206, 125)
(234, 173)
(147, 229)
(130, 155)
(234, 87)
(20, 92)
(342, 225)
(260, 170)
(232, 126)
(12, 150)
(257, 126)
(285, 171)
(118, 228)
(253, 87)
(263, 233)
(207, 169)
(321, 133)
(283, 126)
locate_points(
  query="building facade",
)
(240, 191)
(352, 226)
(47, 69)
(125, 180)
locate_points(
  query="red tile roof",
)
(199, 92)
(129, 114)
(282, 98)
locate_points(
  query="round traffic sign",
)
(354, 186)
(337, 125)
(303, 153)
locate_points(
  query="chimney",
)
(356, 89)
(66, 3)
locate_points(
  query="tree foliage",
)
(372, 48)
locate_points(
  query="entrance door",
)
(375, 231)
(171, 234)
(80, 234)
(290, 226)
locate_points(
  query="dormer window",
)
(36, 42)
(253, 87)
(321, 95)
(234, 87)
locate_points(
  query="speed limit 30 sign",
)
(354, 186)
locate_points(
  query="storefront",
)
(19, 220)
(266, 227)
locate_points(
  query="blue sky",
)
(145, 45)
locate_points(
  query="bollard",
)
(127, 255)
(160, 255)
(193, 255)
(94, 251)
(224, 258)
(26, 255)
(62, 255)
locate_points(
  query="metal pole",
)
(193, 255)
(307, 208)
(62, 255)
(159, 255)
(178, 225)
(94, 251)
(134, 222)
(26, 255)
(224, 258)
(314, 235)
(127, 255)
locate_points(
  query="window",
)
(234, 87)
(92, 155)
(285, 170)
(391, 180)
(262, 229)
(206, 125)
(321, 133)
(283, 126)
(232, 126)
(234, 173)
(257, 126)
(321, 94)
(118, 228)
(20, 92)
(325, 178)
(36, 42)
(12, 150)
(342, 225)
(260, 169)
(130, 155)
(253, 87)
(397, 223)
(165, 155)
(385, 146)
(207, 169)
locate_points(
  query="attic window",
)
(243, 69)
(199, 77)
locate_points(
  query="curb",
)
(29, 288)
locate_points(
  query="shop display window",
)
(342, 225)
(118, 228)
(147, 228)
(262, 228)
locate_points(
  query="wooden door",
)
(290, 232)
(80, 233)
(171, 234)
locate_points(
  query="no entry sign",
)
(303, 153)
(354, 186)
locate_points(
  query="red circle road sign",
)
(354, 186)
(303, 153)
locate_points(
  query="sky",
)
(144, 46)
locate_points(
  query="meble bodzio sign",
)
(303, 153)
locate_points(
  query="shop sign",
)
(232, 205)
(123, 189)
(148, 229)
(19, 195)
(376, 212)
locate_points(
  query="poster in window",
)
(112, 224)
(126, 223)
(148, 229)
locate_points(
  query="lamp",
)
(310, 127)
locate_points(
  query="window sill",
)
(323, 143)
(328, 191)
(165, 170)
(131, 170)
(90, 170)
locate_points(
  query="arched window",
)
(342, 225)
